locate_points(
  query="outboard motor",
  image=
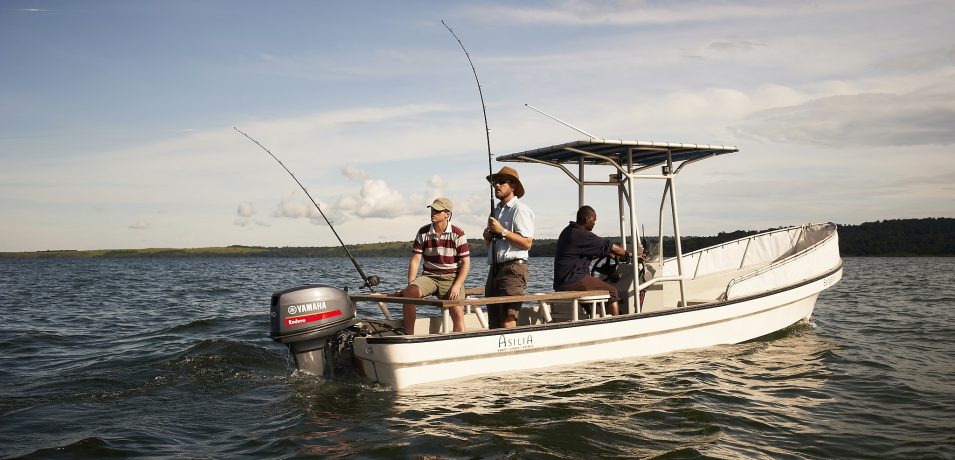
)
(305, 317)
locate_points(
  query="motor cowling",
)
(304, 317)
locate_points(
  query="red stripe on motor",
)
(299, 320)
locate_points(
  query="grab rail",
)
(467, 302)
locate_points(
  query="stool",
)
(597, 304)
(447, 325)
(537, 314)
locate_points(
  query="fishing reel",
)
(372, 281)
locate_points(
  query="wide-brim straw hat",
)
(511, 175)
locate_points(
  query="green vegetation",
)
(899, 237)
(896, 237)
(887, 238)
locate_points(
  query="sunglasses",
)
(502, 182)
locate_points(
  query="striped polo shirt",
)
(442, 253)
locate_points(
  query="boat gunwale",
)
(406, 339)
(760, 234)
(445, 304)
(792, 257)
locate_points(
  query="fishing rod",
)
(487, 133)
(562, 122)
(370, 281)
(487, 130)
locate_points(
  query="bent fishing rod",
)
(487, 130)
(370, 281)
(487, 134)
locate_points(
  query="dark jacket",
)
(576, 247)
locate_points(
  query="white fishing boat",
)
(728, 293)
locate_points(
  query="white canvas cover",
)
(779, 258)
(818, 258)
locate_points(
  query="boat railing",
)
(796, 267)
(471, 303)
(760, 252)
(747, 251)
(661, 279)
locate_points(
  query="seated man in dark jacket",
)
(577, 245)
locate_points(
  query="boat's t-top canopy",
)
(598, 151)
(632, 160)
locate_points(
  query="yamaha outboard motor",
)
(305, 317)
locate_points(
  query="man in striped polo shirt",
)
(447, 261)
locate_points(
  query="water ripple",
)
(171, 358)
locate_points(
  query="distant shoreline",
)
(928, 237)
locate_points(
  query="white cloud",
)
(139, 225)
(353, 173)
(437, 182)
(245, 209)
(922, 117)
(246, 222)
(735, 46)
(624, 13)
(376, 199)
(921, 60)
(292, 207)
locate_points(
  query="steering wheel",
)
(607, 266)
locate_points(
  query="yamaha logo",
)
(306, 307)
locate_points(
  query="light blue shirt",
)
(516, 217)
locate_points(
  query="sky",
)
(117, 117)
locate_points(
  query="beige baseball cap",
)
(442, 204)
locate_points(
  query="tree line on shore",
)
(934, 236)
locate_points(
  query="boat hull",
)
(403, 361)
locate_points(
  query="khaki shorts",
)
(509, 279)
(430, 284)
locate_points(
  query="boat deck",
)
(554, 307)
(475, 317)
(713, 275)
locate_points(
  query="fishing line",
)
(370, 281)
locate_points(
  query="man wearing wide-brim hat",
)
(508, 237)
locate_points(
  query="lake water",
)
(171, 358)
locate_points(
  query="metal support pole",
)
(622, 218)
(676, 226)
(580, 186)
(663, 202)
(634, 233)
